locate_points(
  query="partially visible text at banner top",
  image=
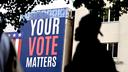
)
(41, 41)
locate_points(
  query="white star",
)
(14, 35)
(19, 35)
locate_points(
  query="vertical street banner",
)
(40, 44)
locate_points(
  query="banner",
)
(41, 41)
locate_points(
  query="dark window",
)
(109, 15)
(105, 15)
(112, 47)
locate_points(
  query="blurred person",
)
(8, 56)
(90, 54)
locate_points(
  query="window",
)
(113, 16)
(105, 15)
(109, 15)
(112, 47)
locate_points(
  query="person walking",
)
(90, 55)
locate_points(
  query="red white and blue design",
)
(17, 41)
(41, 41)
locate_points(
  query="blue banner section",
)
(60, 12)
(42, 50)
(41, 41)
